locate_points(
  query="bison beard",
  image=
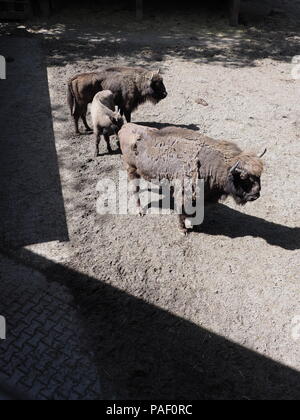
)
(176, 154)
(131, 87)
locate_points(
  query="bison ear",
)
(155, 74)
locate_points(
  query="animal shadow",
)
(111, 153)
(223, 220)
(165, 125)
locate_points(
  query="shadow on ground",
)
(196, 34)
(31, 206)
(140, 351)
(222, 220)
(144, 352)
(231, 223)
(159, 125)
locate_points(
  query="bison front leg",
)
(119, 144)
(128, 116)
(182, 224)
(107, 139)
(125, 112)
(134, 178)
(98, 135)
(185, 224)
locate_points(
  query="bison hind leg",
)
(76, 117)
(87, 127)
(80, 112)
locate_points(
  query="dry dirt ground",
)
(210, 315)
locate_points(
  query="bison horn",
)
(263, 154)
(234, 168)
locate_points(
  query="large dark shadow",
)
(31, 201)
(144, 352)
(223, 220)
(197, 32)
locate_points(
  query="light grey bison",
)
(174, 153)
(106, 121)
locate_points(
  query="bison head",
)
(244, 179)
(156, 90)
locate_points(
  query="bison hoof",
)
(188, 224)
(142, 213)
(183, 231)
(185, 225)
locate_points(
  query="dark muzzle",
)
(254, 197)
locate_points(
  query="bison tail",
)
(71, 99)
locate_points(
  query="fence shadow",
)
(144, 352)
(194, 34)
(31, 204)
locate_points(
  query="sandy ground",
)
(170, 316)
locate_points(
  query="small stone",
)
(201, 101)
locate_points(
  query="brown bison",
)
(174, 153)
(131, 87)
